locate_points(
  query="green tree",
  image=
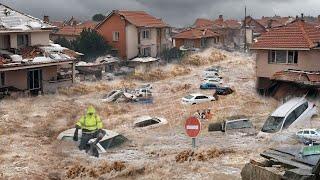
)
(91, 44)
(98, 17)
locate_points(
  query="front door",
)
(35, 81)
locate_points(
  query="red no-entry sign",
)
(193, 127)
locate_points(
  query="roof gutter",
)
(300, 49)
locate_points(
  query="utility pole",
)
(245, 28)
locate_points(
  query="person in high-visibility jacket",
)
(91, 126)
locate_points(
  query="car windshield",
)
(273, 124)
(189, 97)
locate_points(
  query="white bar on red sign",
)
(192, 127)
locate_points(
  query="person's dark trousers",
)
(86, 136)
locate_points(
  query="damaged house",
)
(70, 29)
(288, 54)
(229, 30)
(135, 34)
(196, 38)
(29, 62)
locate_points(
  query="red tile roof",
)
(200, 22)
(218, 23)
(75, 30)
(276, 21)
(138, 18)
(296, 35)
(195, 34)
(142, 19)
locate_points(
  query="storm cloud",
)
(175, 12)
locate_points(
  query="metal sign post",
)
(193, 143)
(193, 128)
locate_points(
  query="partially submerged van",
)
(295, 113)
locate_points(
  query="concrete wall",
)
(19, 78)
(132, 45)
(115, 24)
(307, 60)
(13, 40)
(181, 42)
(151, 42)
(40, 38)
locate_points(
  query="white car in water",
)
(309, 134)
(197, 98)
(296, 113)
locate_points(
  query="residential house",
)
(135, 33)
(70, 29)
(28, 60)
(253, 29)
(230, 30)
(288, 54)
(196, 38)
(275, 21)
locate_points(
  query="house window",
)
(115, 36)
(146, 34)
(203, 42)
(2, 79)
(293, 57)
(22, 40)
(283, 57)
(146, 51)
(189, 44)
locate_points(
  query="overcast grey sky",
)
(174, 12)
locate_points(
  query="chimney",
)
(46, 19)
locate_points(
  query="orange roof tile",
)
(142, 19)
(200, 22)
(195, 34)
(296, 35)
(218, 23)
(75, 30)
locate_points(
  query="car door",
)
(200, 99)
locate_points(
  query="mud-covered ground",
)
(29, 128)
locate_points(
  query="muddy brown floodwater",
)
(29, 127)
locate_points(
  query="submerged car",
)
(233, 124)
(214, 80)
(218, 78)
(110, 140)
(295, 113)
(112, 96)
(208, 85)
(197, 98)
(150, 122)
(312, 135)
(224, 90)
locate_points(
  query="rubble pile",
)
(31, 52)
(36, 54)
